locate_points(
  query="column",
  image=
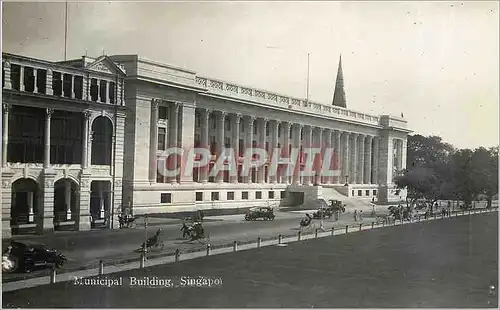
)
(21, 79)
(35, 87)
(286, 146)
(235, 141)
(337, 157)
(404, 150)
(297, 129)
(399, 154)
(368, 160)
(101, 203)
(345, 157)
(376, 160)
(48, 83)
(67, 199)
(173, 139)
(85, 142)
(248, 143)
(186, 140)
(262, 122)
(307, 180)
(48, 116)
(73, 90)
(318, 159)
(220, 142)
(274, 145)
(361, 158)
(327, 144)
(5, 134)
(7, 77)
(205, 129)
(30, 198)
(353, 158)
(153, 141)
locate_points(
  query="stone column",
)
(308, 131)
(173, 139)
(67, 199)
(285, 148)
(205, 129)
(399, 154)
(186, 140)
(368, 160)
(5, 134)
(48, 83)
(85, 142)
(404, 146)
(7, 77)
(318, 159)
(235, 141)
(345, 156)
(361, 158)
(262, 122)
(376, 160)
(48, 116)
(248, 143)
(353, 158)
(30, 200)
(221, 117)
(153, 141)
(297, 129)
(337, 157)
(102, 212)
(21, 80)
(274, 145)
(45, 218)
(35, 87)
(327, 145)
(83, 213)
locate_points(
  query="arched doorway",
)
(24, 205)
(102, 141)
(100, 203)
(65, 204)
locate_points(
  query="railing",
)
(234, 246)
(235, 90)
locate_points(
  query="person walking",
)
(361, 215)
(355, 214)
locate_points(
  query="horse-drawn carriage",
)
(126, 221)
(194, 232)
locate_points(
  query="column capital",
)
(264, 119)
(87, 114)
(237, 117)
(369, 138)
(176, 105)
(155, 102)
(6, 107)
(251, 119)
(49, 112)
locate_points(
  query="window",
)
(258, 195)
(67, 85)
(254, 130)
(94, 89)
(57, 83)
(78, 87)
(111, 92)
(227, 142)
(162, 132)
(360, 192)
(282, 194)
(166, 198)
(367, 192)
(15, 76)
(215, 196)
(29, 79)
(271, 194)
(244, 195)
(162, 113)
(227, 124)
(199, 196)
(230, 195)
(374, 192)
(102, 91)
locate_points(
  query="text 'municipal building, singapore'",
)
(81, 140)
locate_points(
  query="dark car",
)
(24, 257)
(260, 212)
(324, 212)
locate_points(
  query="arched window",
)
(102, 139)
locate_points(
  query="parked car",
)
(324, 212)
(254, 213)
(22, 257)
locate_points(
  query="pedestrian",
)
(355, 215)
(360, 215)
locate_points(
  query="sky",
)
(435, 62)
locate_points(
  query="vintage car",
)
(254, 213)
(324, 212)
(22, 257)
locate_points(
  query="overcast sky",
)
(438, 63)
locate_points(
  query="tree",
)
(427, 151)
(484, 174)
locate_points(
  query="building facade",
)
(174, 107)
(62, 144)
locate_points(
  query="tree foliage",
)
(436, 170)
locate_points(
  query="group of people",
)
(358, 216)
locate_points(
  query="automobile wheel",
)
(247, 218)
(29, 266)
(272, 218)
(9, 263)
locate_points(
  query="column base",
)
(83, 222)
(46, 227)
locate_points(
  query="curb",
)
(209, 250)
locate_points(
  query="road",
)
(85, 249)
(448, 263)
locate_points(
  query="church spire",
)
(339, 94)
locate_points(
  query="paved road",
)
(87, 248)
(449, 263)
